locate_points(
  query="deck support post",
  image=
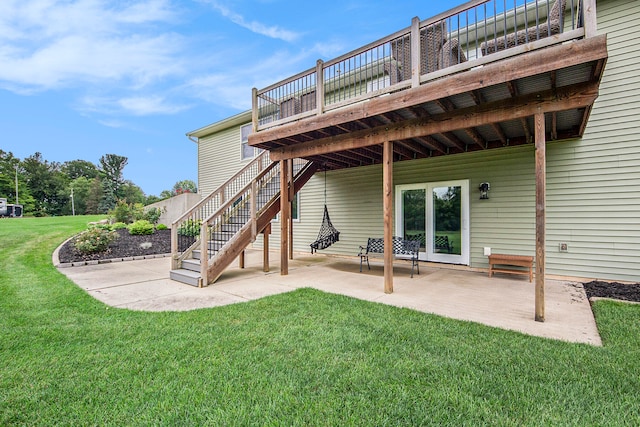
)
(387, 185)
(241, 260)
(285, 208)
(590, 19)
(291, 194)
(540, 157)
(265, 248)
(415, 52)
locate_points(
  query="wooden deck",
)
(400, 106)
(481, 103)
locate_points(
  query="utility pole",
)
(73, 206)
(17, 184)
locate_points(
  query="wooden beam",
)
(565, 98)
(537, 62)
(540, 214)
(284, 217)
(387, 185)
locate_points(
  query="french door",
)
(437, 214)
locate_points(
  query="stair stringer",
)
(243, 238)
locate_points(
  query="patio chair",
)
(432, 37)
(450, 54)
(552, 26)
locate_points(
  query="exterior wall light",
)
(484, 190)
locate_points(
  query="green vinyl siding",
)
(219, 158)
(593, 184)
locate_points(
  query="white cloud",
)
(49, 44)
(134, 105)
(144, 106)
(274, 32)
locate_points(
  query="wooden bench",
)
(511, 260)
(400, 247)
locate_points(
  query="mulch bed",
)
(614, 290)
(126, 245)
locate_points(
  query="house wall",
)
(593, 191)
(593, 184)
(219, 158)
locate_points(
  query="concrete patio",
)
(503, 301)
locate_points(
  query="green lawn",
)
(302, 358)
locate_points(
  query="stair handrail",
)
(211, 203)
(248, 194)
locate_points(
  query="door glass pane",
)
(414, 208)
(447, 209)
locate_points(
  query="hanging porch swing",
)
(328, 234)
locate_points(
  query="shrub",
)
(190, 227)
(137, 212)
(127, 212)
(118, 226)
(141, 227)
(94, 239)
(161, 227)
(153, 215)
(107, 227)
(122, 212)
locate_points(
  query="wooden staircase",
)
(206, 239)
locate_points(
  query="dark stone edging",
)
(109, 260)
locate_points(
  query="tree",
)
(95, 196)
(47, 184)
(81, 188)
(131, 193)
(166, 194)
(111, 167)
(79, 168)
(184, 186)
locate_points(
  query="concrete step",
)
(191, 264)
(187, 277)
(196, 254)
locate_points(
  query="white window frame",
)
(245, 131)
(297, 211)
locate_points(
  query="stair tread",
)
(188, 273)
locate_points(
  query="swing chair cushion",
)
(327, 236)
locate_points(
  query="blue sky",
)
(84, 78)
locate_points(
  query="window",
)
(295, 210)
(248, 151)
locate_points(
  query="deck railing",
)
(185, 230)
(221, 229)
(470, 35)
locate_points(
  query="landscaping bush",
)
(190, 228)
(119, 226)
(126, 212)
(94, 239)
(153, 215)
(161, 227)
(107, 227)
(122, 212)
(141, 227)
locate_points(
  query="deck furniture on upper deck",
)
(552, 26)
